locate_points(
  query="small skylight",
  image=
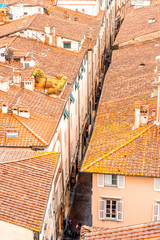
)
(142, 64)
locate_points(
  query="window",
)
(157, 184)
(67, 44)
(110, 180)
(111, 209)
(16, 59)
(156, 212)
(104, 180)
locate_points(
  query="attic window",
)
(151, 20)
(12, 133)
(16, 59)
(67, 44)
(75, 19)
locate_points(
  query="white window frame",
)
(110, 177)
(103, 210)
(156, 184)
(101, 181)
(156, 212)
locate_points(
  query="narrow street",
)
(81, 207)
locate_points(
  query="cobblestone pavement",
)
(81, 207)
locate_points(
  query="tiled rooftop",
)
(42, 3)
(92, 22)
(25, 188)
(129, 79)
(8, 155)
(136, 25)
(137, 232)
(50, 59)
(39, 128)
(64, 27)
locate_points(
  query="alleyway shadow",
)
(81, 207)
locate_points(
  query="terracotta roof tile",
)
(144, 231)
(8, 155)
(42, 3)
(25, 188)
(126, 82)
(40, 127)
(136, 25)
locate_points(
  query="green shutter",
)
(80, 76)
(83, 68)
(66, 113)
(72, 99)
(77, 85)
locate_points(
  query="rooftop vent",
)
(15, 109)
(151, 20)
(4, 107)
(24, 112)
(12, 132)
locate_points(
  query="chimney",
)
(48, 35)
(24, 112)
(4, 107)
(4, 84)
(15, 109)
(54, 37)
(17, 77)
(144, 115)
(29, 83)
(137, 114)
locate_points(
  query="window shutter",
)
(102, 209)
(119, 211)
(157, 184)
(121, 181)
(155, 212)
(100, 180)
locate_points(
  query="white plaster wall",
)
(4, 86)
(9, 231)
(51, 209)
(2, 50)
(74, 44)
(18, 10)
(83, 96)
(74, 124)
(63, 130)
(87, 7)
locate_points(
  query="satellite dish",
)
(31, 63)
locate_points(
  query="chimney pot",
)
(137, 114)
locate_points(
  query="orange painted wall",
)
(138, 198)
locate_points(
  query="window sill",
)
(110, 197)
(113, 220)
(115, 186)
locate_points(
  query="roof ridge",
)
(36, 135)
(34, 156)
(116, 149)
